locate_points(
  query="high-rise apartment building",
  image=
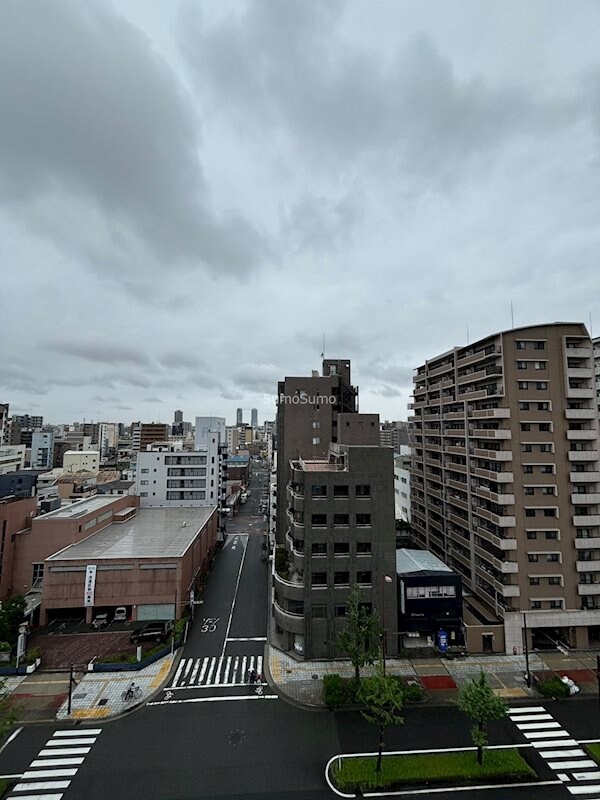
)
(108, 439)
(146, 433)
(596, 346)
(178, 417)
(254, 418)
(307, 420)
(505, 478)
(341, 533)
(3, 422)
(42, 449)
(239, 416)
(393, 434)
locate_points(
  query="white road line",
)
(227, 668)
(584, 789)
(259, 663)
(545, 734)
(56, 762)
(251, 664)
(555, 743)
(248, 639)
(562, 753)
(533, 726)
(41, 785)
(244, 670)
(81, 732)
(68, 751)
(195, 671)
(203, 670)
(580, 764)
(216, 699)
(217, 679)
(213, 661)
(40, 796)
(563, 777)
(236, 664)
(526, 710)
(188, 667)
(69, 742)
(529, 717)
(587, 776)
(49, 773)
(178, 673)
(237, 586)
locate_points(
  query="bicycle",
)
(131, 693)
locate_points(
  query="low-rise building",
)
(12, 458)
(80, 460)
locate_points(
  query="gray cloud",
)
(99, 351)
(118, 133)
(257, 377)
(153, 400)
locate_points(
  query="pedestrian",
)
(252, 675)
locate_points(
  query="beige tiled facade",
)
(505, 483)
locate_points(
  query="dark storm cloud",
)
(90, 112)
(99, 351)
(285, 65)
(257, 377)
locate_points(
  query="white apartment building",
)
(402, 484)
(42, 449)
(596, 346)
(12, 458)
(78, 460)
(207, 425)
(108, 438)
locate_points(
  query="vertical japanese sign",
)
(90, 586)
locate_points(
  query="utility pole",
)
(526, 648)
(71, 682)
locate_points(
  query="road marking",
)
(244, 671)
(247, 639)
(40, 785)
(74, 742)
(11, 738)
(210, 671)
(203, 670)
(581, 764)
(188, 666)
(526, 709)
(545, 734)
(584, 789)
(528, 726)
(68, 751)
(237, 586)
(555, 743)
(562, 753)
(49, 773)
(40, 796)
(215, 699)
(587, 776)
(218, 672)
(227, 669)
(80, 732)
(179, 670)
(195, 671)
(529, 717)
(56, 762)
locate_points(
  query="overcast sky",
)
(193, 193)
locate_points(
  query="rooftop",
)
(81, 507)
(152, 533)
(418, 561)
(82, 453)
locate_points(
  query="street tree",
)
(382, 698)
(478, 701)
(11, 616)
(359, 639)
(7, 711)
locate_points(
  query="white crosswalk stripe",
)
(216, 671)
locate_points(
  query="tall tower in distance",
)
(254, 418)
(239, 417)
(178, 418)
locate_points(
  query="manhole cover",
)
(236, 737)
(103, 702)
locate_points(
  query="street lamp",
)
(386, 579)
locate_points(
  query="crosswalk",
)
(215, 671)
(579, 773)
(55, 765)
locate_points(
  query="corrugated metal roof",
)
(418, 561)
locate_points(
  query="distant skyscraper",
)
(239, 417)
(254, 419)
(178, 417)
(206, 426)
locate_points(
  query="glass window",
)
(544, 426)
(520, 345)
(525, 426)
(541, 385)
(341, 578)
(534, 581)
(341, 519)
(531, 535)
(522, 384)
(363, 547)
(364, 489)
(532, 557)
(318, 520)
(340, 491)
(553, 557)
(318, 612)
(363, 519)
(539, 345)
(319, 579)
(536, 604)
(363, 577)
(318, 490)
(554, 580)
(341, 611)
(341, 548)
(319, 549)
(530, 512)
(527, 468)
(521, 365)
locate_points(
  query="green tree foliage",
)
(7, 711)
(359, 639)
(382, 698)
(11, 616)
(478, 701)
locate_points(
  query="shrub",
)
(553, 687)
(413, 693)
(31, 656)
(338, 691)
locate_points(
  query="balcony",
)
(509, 567)
(588, 498)
(584, 477)
(471, 376)
(587, 566)
(498, 519)
(457, 433)
(583, 455)
(586, 520)
(457, 451)
(589, 435)
(457, 501)
(489, 352)
(441, 369)
(510, 591)
(454, 467)
(450, 415)
(432, 432)
(584, 589)
(507, 544)
(580, 413)
(472, 394)
(579, 372)
(492, 455)
(463, 487)
(289, 589)
(501, 499)
(487, 413)
(498, 477)
(587, 543)
(579, 352)
(582, 394)
(485, 433)
(294, 623)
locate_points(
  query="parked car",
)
(153, 632)
(100, 621)
(120, 614)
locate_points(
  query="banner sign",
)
(90, 586)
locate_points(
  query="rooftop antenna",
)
(512, 315)
(323, 353)
(591, 328)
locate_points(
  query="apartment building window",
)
(318, 520)
(340, 491)
(545, 427)
(38, 573)
(529, 490)
(523, 384)
(341, 548)
(545, 448)
(316, 424)
(319, 549)
(319, 579)
(341, 578)
(540, 365)
(531, 535)
(541, 385)
(364, 489)
(363, 519)
(318, 612)
(525, 426)
(520, 345)
(551, 534)
(530, 512)
(543, 406)
(553, 558)
(521, 365)
(550, 512)
(527, 469)
(533, 581)
(364, 578)
(316, 440)
(524, 406)
(536, 604)
(527, 448)
(143, 494)
(341, 611)
(547, 469)
(556, 603)
(363, 548)
(539, 345)
(318, 490)
(554, 580)
(145, 471)
(341, 520)
(532, 558)
(144, 483)
(549, 490)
